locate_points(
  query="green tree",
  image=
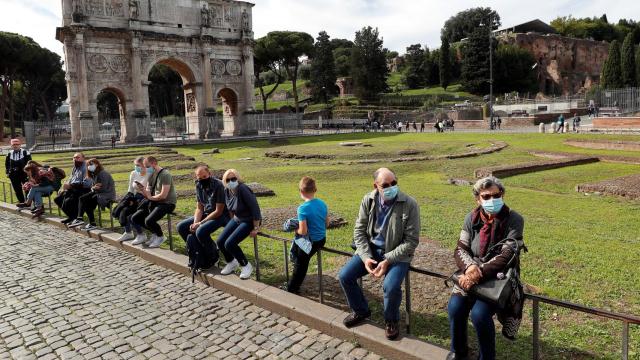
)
(368, 64)
(513, 70)
(323, 69)
(638, 65)
(628, 62)
(594, 28)
(291, 45)
(475, 62)
(462, 24)
(413, 75)
(166, 92)
(445, 64)
(342, 56)
(612, 69)
(268, 67)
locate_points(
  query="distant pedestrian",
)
(415, 127)
(499, 122)
(113, 141)
(422, 126)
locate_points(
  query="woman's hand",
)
(254, 232)
(474, 273)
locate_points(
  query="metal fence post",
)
(4, 192)
(255, 254)
(536, 329)
(286, 260)
(320, 278)
(407, 301)
(625, 340)
(169, 229)
(11, 193)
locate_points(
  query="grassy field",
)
(581, 248)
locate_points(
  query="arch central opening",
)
(111, 114)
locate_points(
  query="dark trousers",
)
(482, 318)
(87, 203)
(17, 179)
(229, 240)
(148, 216)
(204, 231)
(68, 201)
(301, 264)
(124, 210)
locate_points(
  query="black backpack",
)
(201, 255)
(58, 175)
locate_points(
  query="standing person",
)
(422, 126)
(14, 165)
(159, 200)
(386, 236)
(113, 141)
(129, 203)
(499, 123)
(75, 186)
(415, 127)
(211, 211)
(489, 244)
(561, 123)
(103, 192)
(245, 221)
(313, 221)
(400, 126)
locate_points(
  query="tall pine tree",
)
(629, 61)
(414, 76)
(368, 64)
(475, 64)
(612, 71)
(445, 64)
(323, 69)
(638, 66)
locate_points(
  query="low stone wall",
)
(627, 186)
(605, 144)
(617, 123)
(525, 168)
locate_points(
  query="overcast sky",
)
(401, 22)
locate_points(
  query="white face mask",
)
(91, 168)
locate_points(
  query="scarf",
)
(492, 230)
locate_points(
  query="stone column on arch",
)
(71, 77)
(130, 133)
(89, 132)
(208, 120)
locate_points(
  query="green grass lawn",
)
(581, 248)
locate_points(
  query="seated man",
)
(211, 211)
(386, 236)
(76, 185)
(160, 200)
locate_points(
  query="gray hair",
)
(486, 183)
(381, 170)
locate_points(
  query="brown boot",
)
(38, 212)
(392, 330)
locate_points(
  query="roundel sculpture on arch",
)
(112, 45)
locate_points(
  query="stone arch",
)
(122, 108)
(228, 98)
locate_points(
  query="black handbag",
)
(497, 290)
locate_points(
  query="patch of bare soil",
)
(274, 218)
(285, 155)
(627, 186)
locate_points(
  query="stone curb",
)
(308, 312)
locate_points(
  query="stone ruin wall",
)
(565, 65)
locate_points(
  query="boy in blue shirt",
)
(313, 221)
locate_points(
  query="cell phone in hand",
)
(137, 183)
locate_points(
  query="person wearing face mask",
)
(476, 256)
(103, 192)
(76, 185)
(129, 203)
(245, 221)
(14, 165)
(386, 235)
(312, 223)
(210, 214)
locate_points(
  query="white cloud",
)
(401, 22)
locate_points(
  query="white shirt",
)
(139, 178)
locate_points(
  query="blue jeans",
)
(204, 231)
(229, 240)
(482, 319)
(392, 286)
(36, 193)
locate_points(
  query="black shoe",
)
(22, 205)
(453, 356)
(354, 319)
(38, 212)
(391, 330)
(66, 221)
(285, 287)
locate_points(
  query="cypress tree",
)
(628, 61)
(323, 69)
(612, 71)
(445, 64)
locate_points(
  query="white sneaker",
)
(75, 223)
(140, 239)
(230, 267)
(246, 271)
(89, 227)
(151, 240)
(157, 242)
(126, 236)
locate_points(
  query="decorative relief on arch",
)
(228, 71)
(112, 67)
(191, 102)
(119, 63)
(151, 56)
(98, 63)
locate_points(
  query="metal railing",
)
(536, 300)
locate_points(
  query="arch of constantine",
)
(112, 45)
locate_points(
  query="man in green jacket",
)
(386, 236)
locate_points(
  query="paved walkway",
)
(63, 295)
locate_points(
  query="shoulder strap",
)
(155, 183)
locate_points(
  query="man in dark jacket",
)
(76, 185)
(14, 165)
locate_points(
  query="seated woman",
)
(129, 203)
(103, 191)
(490, 223)
(39, 185)
(245, 221)
(313, 221)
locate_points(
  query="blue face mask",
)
(232, 185)
(138, 169)
(149, 170)
(390, 193)
(492, 206)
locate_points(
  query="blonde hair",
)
(307, 185)
(229, 173)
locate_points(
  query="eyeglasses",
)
(489, 196)
(232, 179)
(386, 185)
